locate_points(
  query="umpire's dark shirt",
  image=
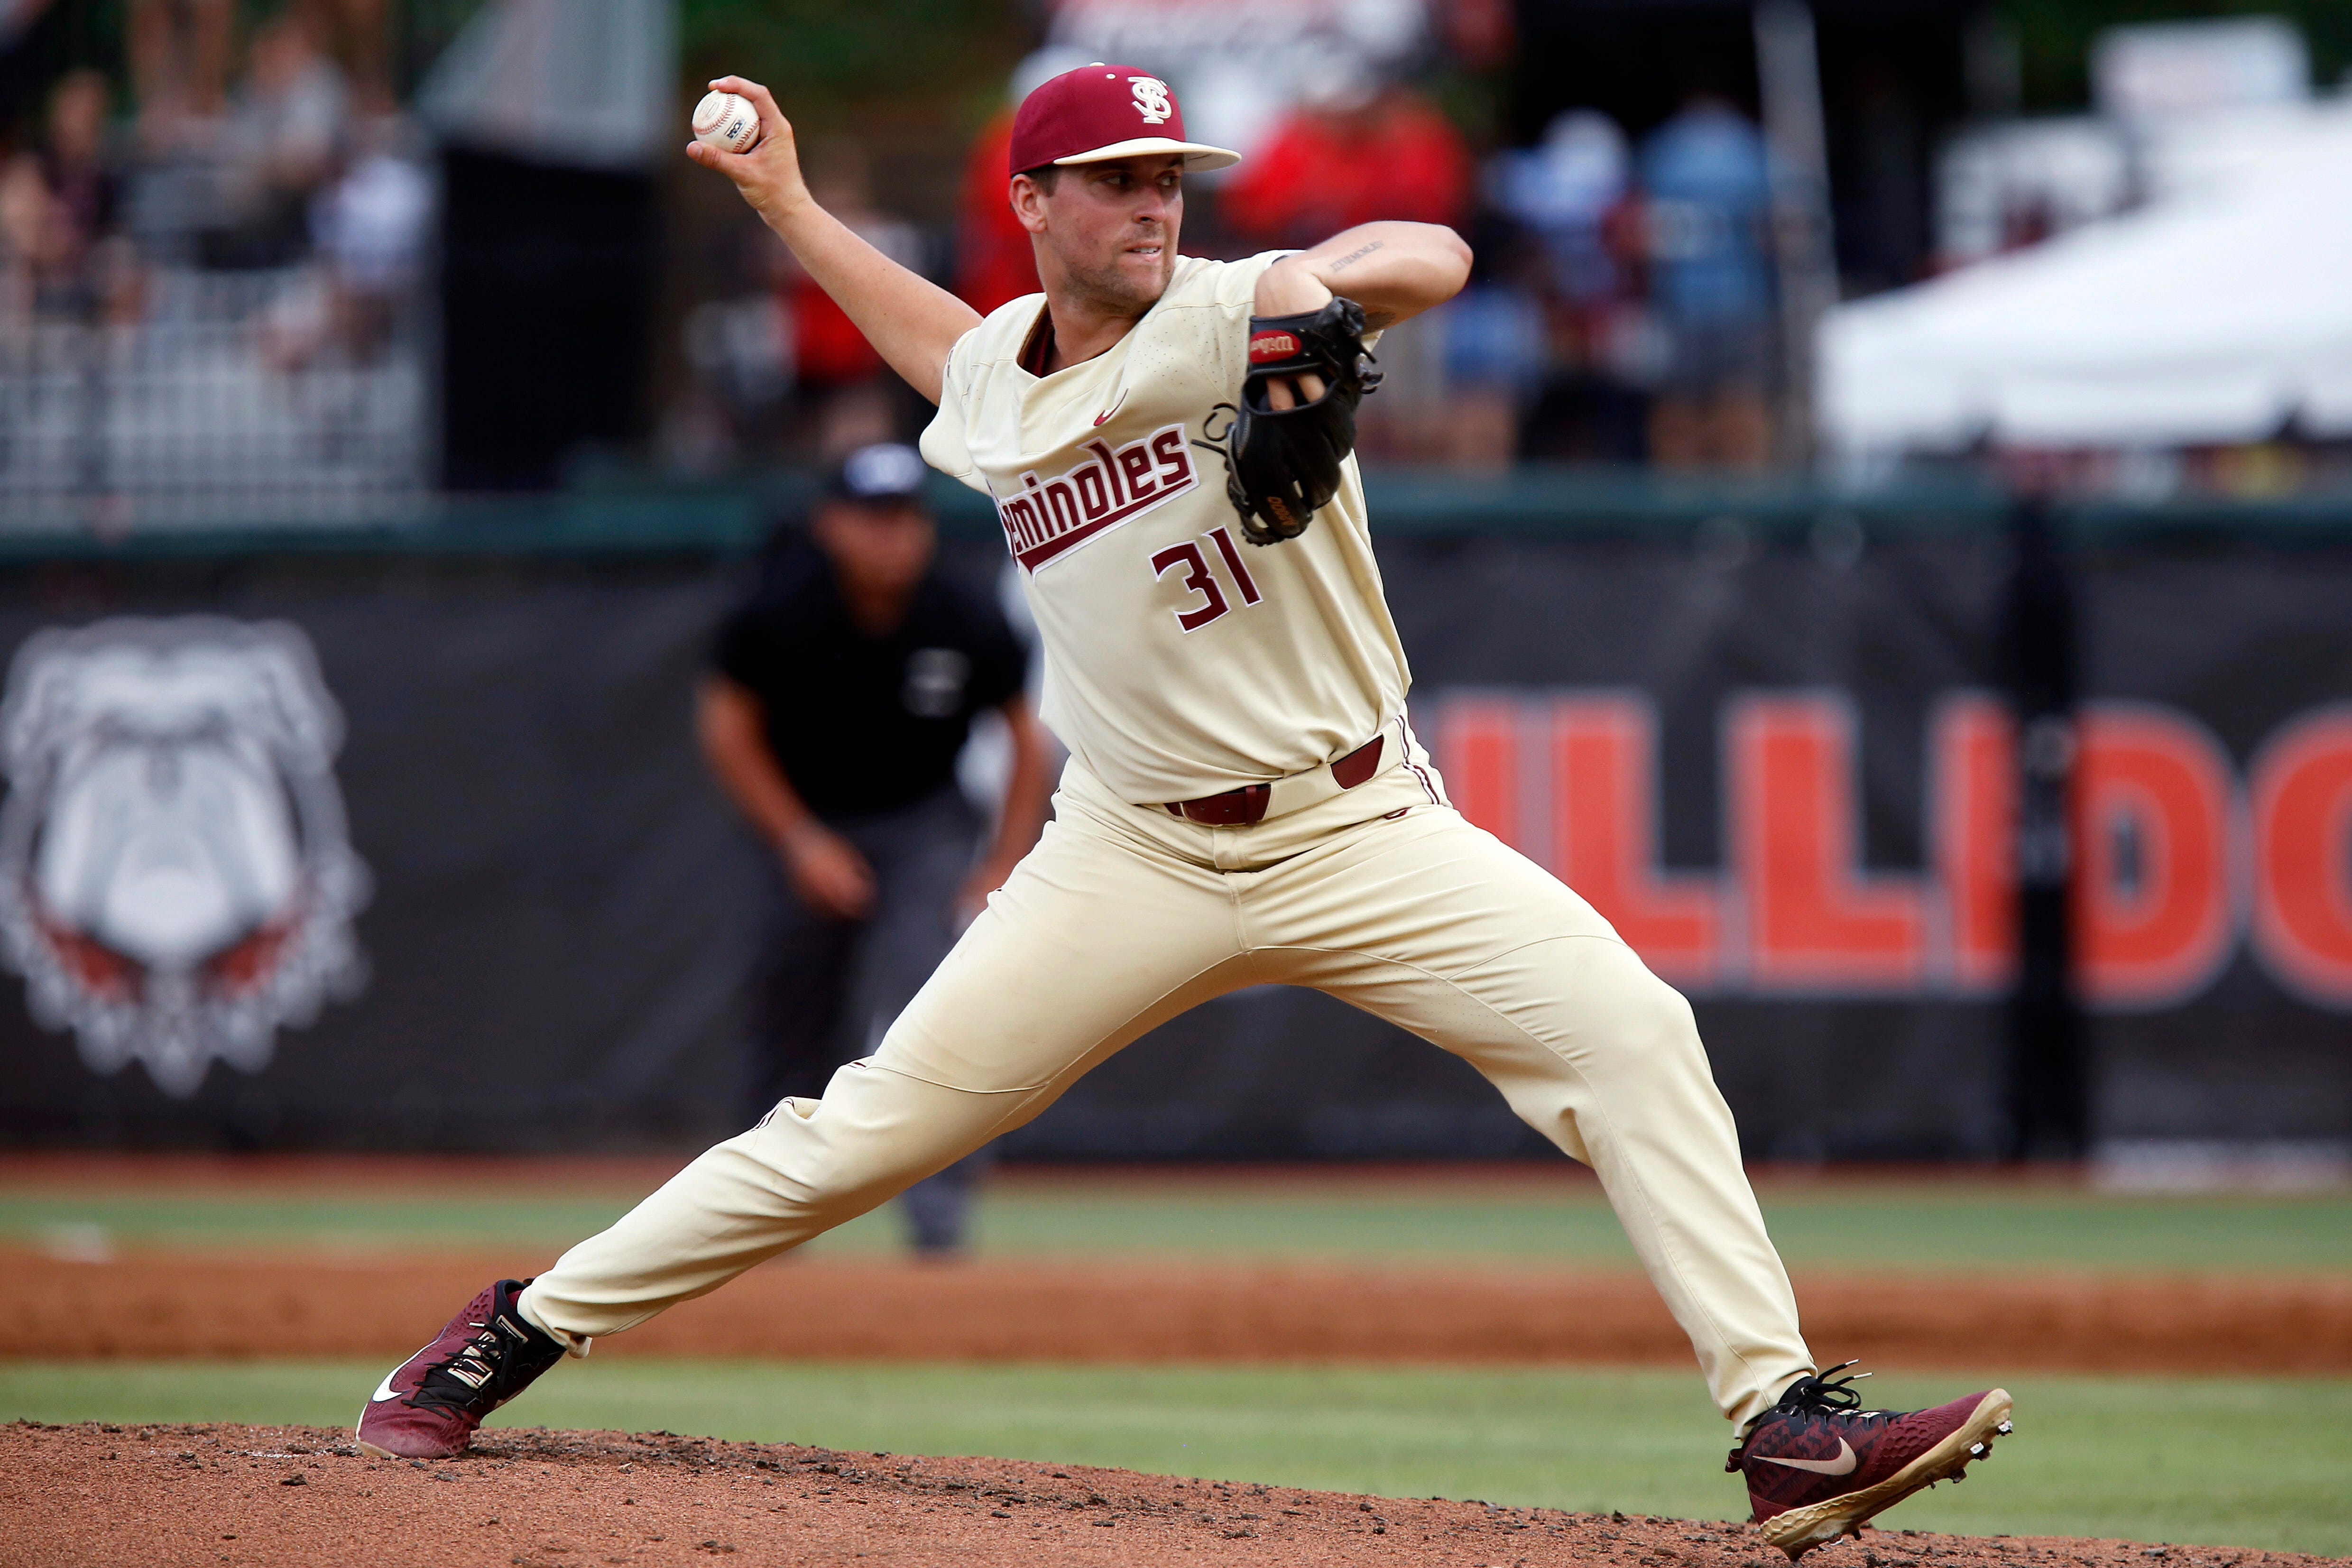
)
(863, 723)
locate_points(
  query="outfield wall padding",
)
(1778, 761)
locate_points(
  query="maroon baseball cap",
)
(1102, 112)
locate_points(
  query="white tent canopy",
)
(2214, 319)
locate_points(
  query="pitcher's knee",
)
(849, 1175)
(1641, 1012)
(837, 1157)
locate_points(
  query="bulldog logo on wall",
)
(175, 881)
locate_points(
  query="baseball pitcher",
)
(1168, 443)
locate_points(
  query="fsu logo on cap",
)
(1105, 111)
(1151, 99)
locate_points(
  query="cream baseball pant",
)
(1123, 917)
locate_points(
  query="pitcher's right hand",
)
(769, 175)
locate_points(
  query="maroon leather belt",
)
(1240, 807)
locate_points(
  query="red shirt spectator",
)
(994, 262)
(1319, 172)
(828, 346)
(828, 349)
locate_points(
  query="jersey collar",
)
(1037, 348)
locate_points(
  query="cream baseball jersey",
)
(1180, 660)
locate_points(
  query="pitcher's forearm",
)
(911, 322)
(1394, 270)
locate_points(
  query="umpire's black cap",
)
(883, 473)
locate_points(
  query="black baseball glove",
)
(1282, 465)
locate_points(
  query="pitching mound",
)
(147, 1495)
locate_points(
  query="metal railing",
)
(185, 416)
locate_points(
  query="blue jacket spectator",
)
(1709, 187)
(1564, 190)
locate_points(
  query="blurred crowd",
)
(284, 152)
(245, 205)
(217, 253)
(1622, 308)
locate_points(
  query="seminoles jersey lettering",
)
(1050, 517)
(1178, 660)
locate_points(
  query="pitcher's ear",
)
(1027, 196)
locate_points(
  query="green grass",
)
(336, 1219)
(2227, 1461)
(1918, 1226)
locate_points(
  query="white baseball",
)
(727, 121)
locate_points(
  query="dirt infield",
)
(217, 1304)
(165, 1495)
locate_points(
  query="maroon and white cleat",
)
(428, 1406)
(1819, 1466)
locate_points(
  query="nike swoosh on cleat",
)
(1842, 1465)
(385, 1390)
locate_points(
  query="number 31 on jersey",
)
(1207, 599)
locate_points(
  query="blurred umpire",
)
(843, 692)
